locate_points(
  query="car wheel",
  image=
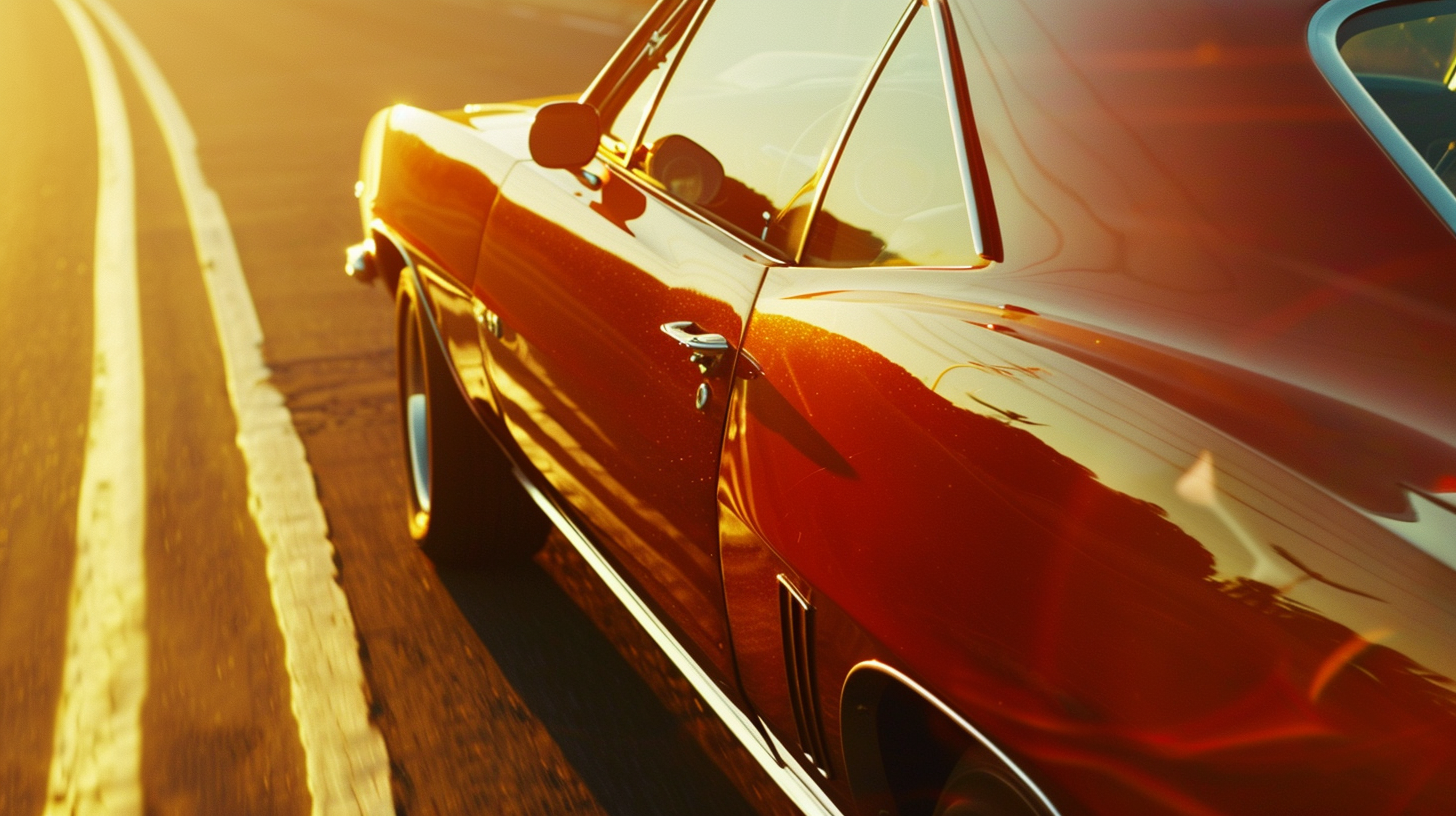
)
(979, 786)
(464, 505)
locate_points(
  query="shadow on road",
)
(632, 753)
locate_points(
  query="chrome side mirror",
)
(565, 135)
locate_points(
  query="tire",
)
(981, 786)
(463, 505)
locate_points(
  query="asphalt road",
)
(526, 692)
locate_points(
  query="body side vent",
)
(797, 624)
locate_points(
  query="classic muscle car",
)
(995, 407)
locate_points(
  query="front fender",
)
(433, 178)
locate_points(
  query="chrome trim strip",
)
(940, 16)
(632, 39)
(902, 678)
(790, 777)
(650, 109)
(1323, 28)
(646, 188)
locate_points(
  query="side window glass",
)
(896, 197)
(622, 112)
(1405, 57)
(758, 97)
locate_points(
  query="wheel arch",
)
(899, 741)
(390, 257)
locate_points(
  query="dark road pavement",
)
(525, 692)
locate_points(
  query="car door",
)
(896, 207)
(616, 296)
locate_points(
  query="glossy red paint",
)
(1149, 640)
(437, 182)
(1010, 500)
(597, 396)
(1161, 503)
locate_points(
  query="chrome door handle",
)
(704, 342)
(707, 348)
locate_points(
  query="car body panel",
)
(1158, 501)
(596, 395)
(1162, 504)
(429, 181)
(438, 180)
(1121, 594)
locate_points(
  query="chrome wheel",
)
(417, 418)
(419, 442)
(463, 503)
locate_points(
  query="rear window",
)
(1395, 65)
(1405, 57)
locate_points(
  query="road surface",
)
(165, 647)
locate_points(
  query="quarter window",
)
(1405, 57)
(754, 104)
(896, 197)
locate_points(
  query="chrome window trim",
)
(645, 185)
(982, 199)
(962, 125)
(650, 109)
(595, 89)
(627, 53)
(1323, 28)
(779, 256)
(825, 174)
(956, 107)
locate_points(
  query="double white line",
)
(96, 764)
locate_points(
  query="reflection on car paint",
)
(1108, 540)
(1162, 503)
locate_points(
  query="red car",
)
(995, 407)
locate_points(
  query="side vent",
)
(796, 619)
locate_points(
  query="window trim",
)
(607, 82)
(629, 158)
(824, 176)
(621, 64)
(650, 109)
(975, 182)
(975, 178)
(611, 74)
(767, 255)
(1321, 37)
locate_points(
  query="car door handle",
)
(707, 348)
(705, 342)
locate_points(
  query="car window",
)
(625, 105)
(1405, 58)
(760, 94)
(896, 197)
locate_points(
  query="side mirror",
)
(686, 169)
(565, 135)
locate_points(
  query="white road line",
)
(96, 759)
(346, 764)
